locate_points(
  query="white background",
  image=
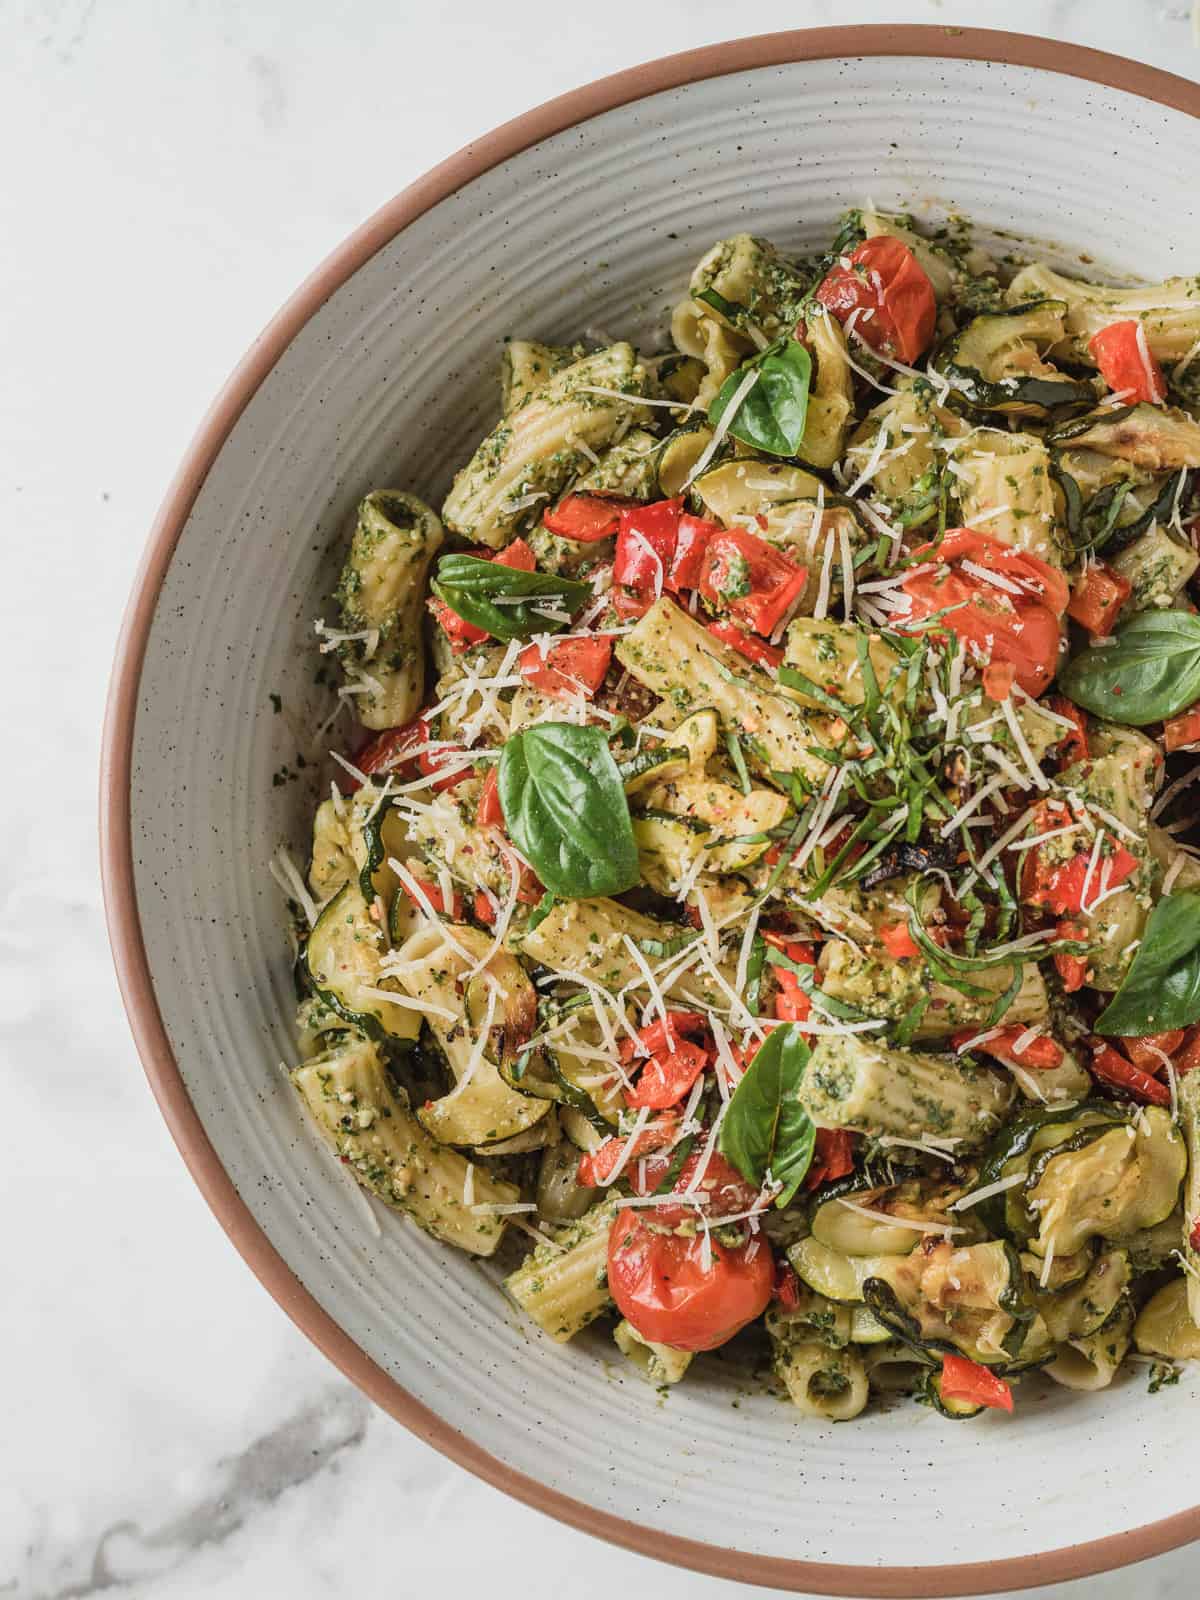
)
(170, 170)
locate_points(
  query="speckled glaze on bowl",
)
(381, 370)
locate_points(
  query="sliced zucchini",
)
(854, 1234)
(742, 488)
(1028, 1134)
(376, 831)
(1086, 1306)
(994, 363)
(955, 1408)
(1164, 1326)
(371, 1130)
(1066, 1270)
(1157, 438)
(1091, 1362)
(970, 1298)
(342, 959)
(678, 454)
(654, 766)
(1104, 1181)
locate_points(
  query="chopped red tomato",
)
(1041, 1052)
(898, 941)
(687, 563)
(1097, 599)
(585, 517)
(646, 542)
(667, 1076)
(432, 762)
(629, 607)
(660, 1035)
(1183, 731)
(747, 644)
(570, 668)
(461, 633)
(388, 751)
(998, 680)
(720, 1192)
(787, 1287)
(1147, 1051)
(436, 900)
(752, 580)
(692, 1293)
(882, 281)
(1060, 886)
(488, 813)
(1006, 602)
(792, 1004)
(1072, 746)
(599, 1164)
(833, 1157)
(1111, 1067)
(967, 1380)
(1073, 970)
(1188, 1058)
(485, 911)
(1126, 362)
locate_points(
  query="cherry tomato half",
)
(882, 280)
(721, 1192)
(999, 624)
(662, 1287)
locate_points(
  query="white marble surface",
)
(172, 169)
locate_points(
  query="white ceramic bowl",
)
(381, 370)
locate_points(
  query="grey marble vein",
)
(292, 1454)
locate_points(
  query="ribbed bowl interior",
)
(391, 383)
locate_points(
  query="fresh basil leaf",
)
(502, 599)
(766, 1129)
(771, 417)
(566, 812)
(1162, 988)
(1150, 674)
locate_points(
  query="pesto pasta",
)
(760, 900)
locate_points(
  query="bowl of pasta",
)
(669, 910)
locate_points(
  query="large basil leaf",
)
(502, 599)
(772, 415)
(565, 809)
(1162, 987)
(766, 1129)
(1151, 673)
